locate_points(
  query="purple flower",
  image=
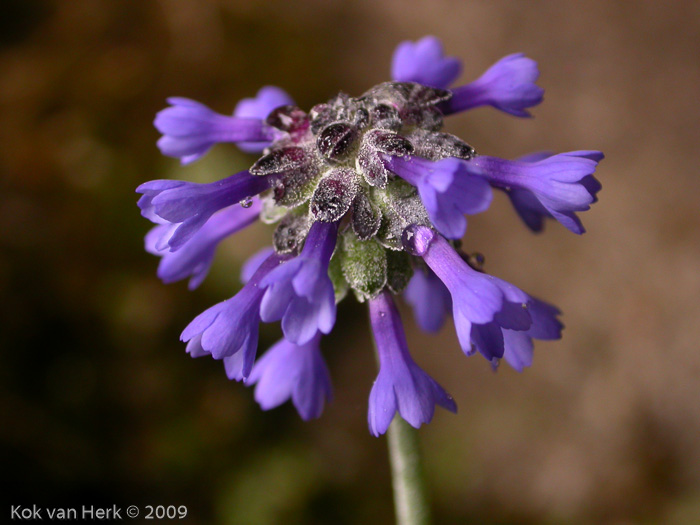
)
(513, 340)
(300, 291)
(190, 129)
(401, 384)
(377, 177)
(508, 85)
(476, 297)
(551, 186)
(194, 258)
(430, 299)
(229, 330)
(509, 335)
(190, 205)
(259, 107)
(296, 372)
(447, 188)
(424, 62)
(518, 346)
(531, 210)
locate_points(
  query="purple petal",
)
(190, 129)
(156, 240)
(382, 405)
(254, 262)
(513, 341)
(296, 372)
(545, 324)
(429, 298)
(476, 297)
(401, 384)
(190, 205)
(518, 349)
(555, 186)
(239, 364)
(280, 291)
(300, 320)
(194, 258)
(488, 340)
(300, 293)
(475, 294)
(424, 62)
(508, 85)
(237, 321)
(447, 189)
(200, 323)
(229, 330)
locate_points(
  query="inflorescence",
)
(368, 196)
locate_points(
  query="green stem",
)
(410, 497)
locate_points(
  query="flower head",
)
(369, 196)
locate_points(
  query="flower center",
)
(329, 166)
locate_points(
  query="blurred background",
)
(100, 403)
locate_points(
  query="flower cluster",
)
(369, 196)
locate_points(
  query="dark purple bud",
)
(437, 146)
(335, 140)
(387, 93)
(398, 89)
(372, 166)
(294, 187)
(386, 117)
(334, 195)
(451, 146)
(366, 218)
(388, 142)
(426, 117)
(404, 93)
(416, 239)
(362, 118)
(320, 116)
(340, 108)
(290, 233)
(288, 118)
(427, 96)
(279, 160)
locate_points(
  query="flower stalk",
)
(408, 480)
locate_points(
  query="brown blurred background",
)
(101, 403)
